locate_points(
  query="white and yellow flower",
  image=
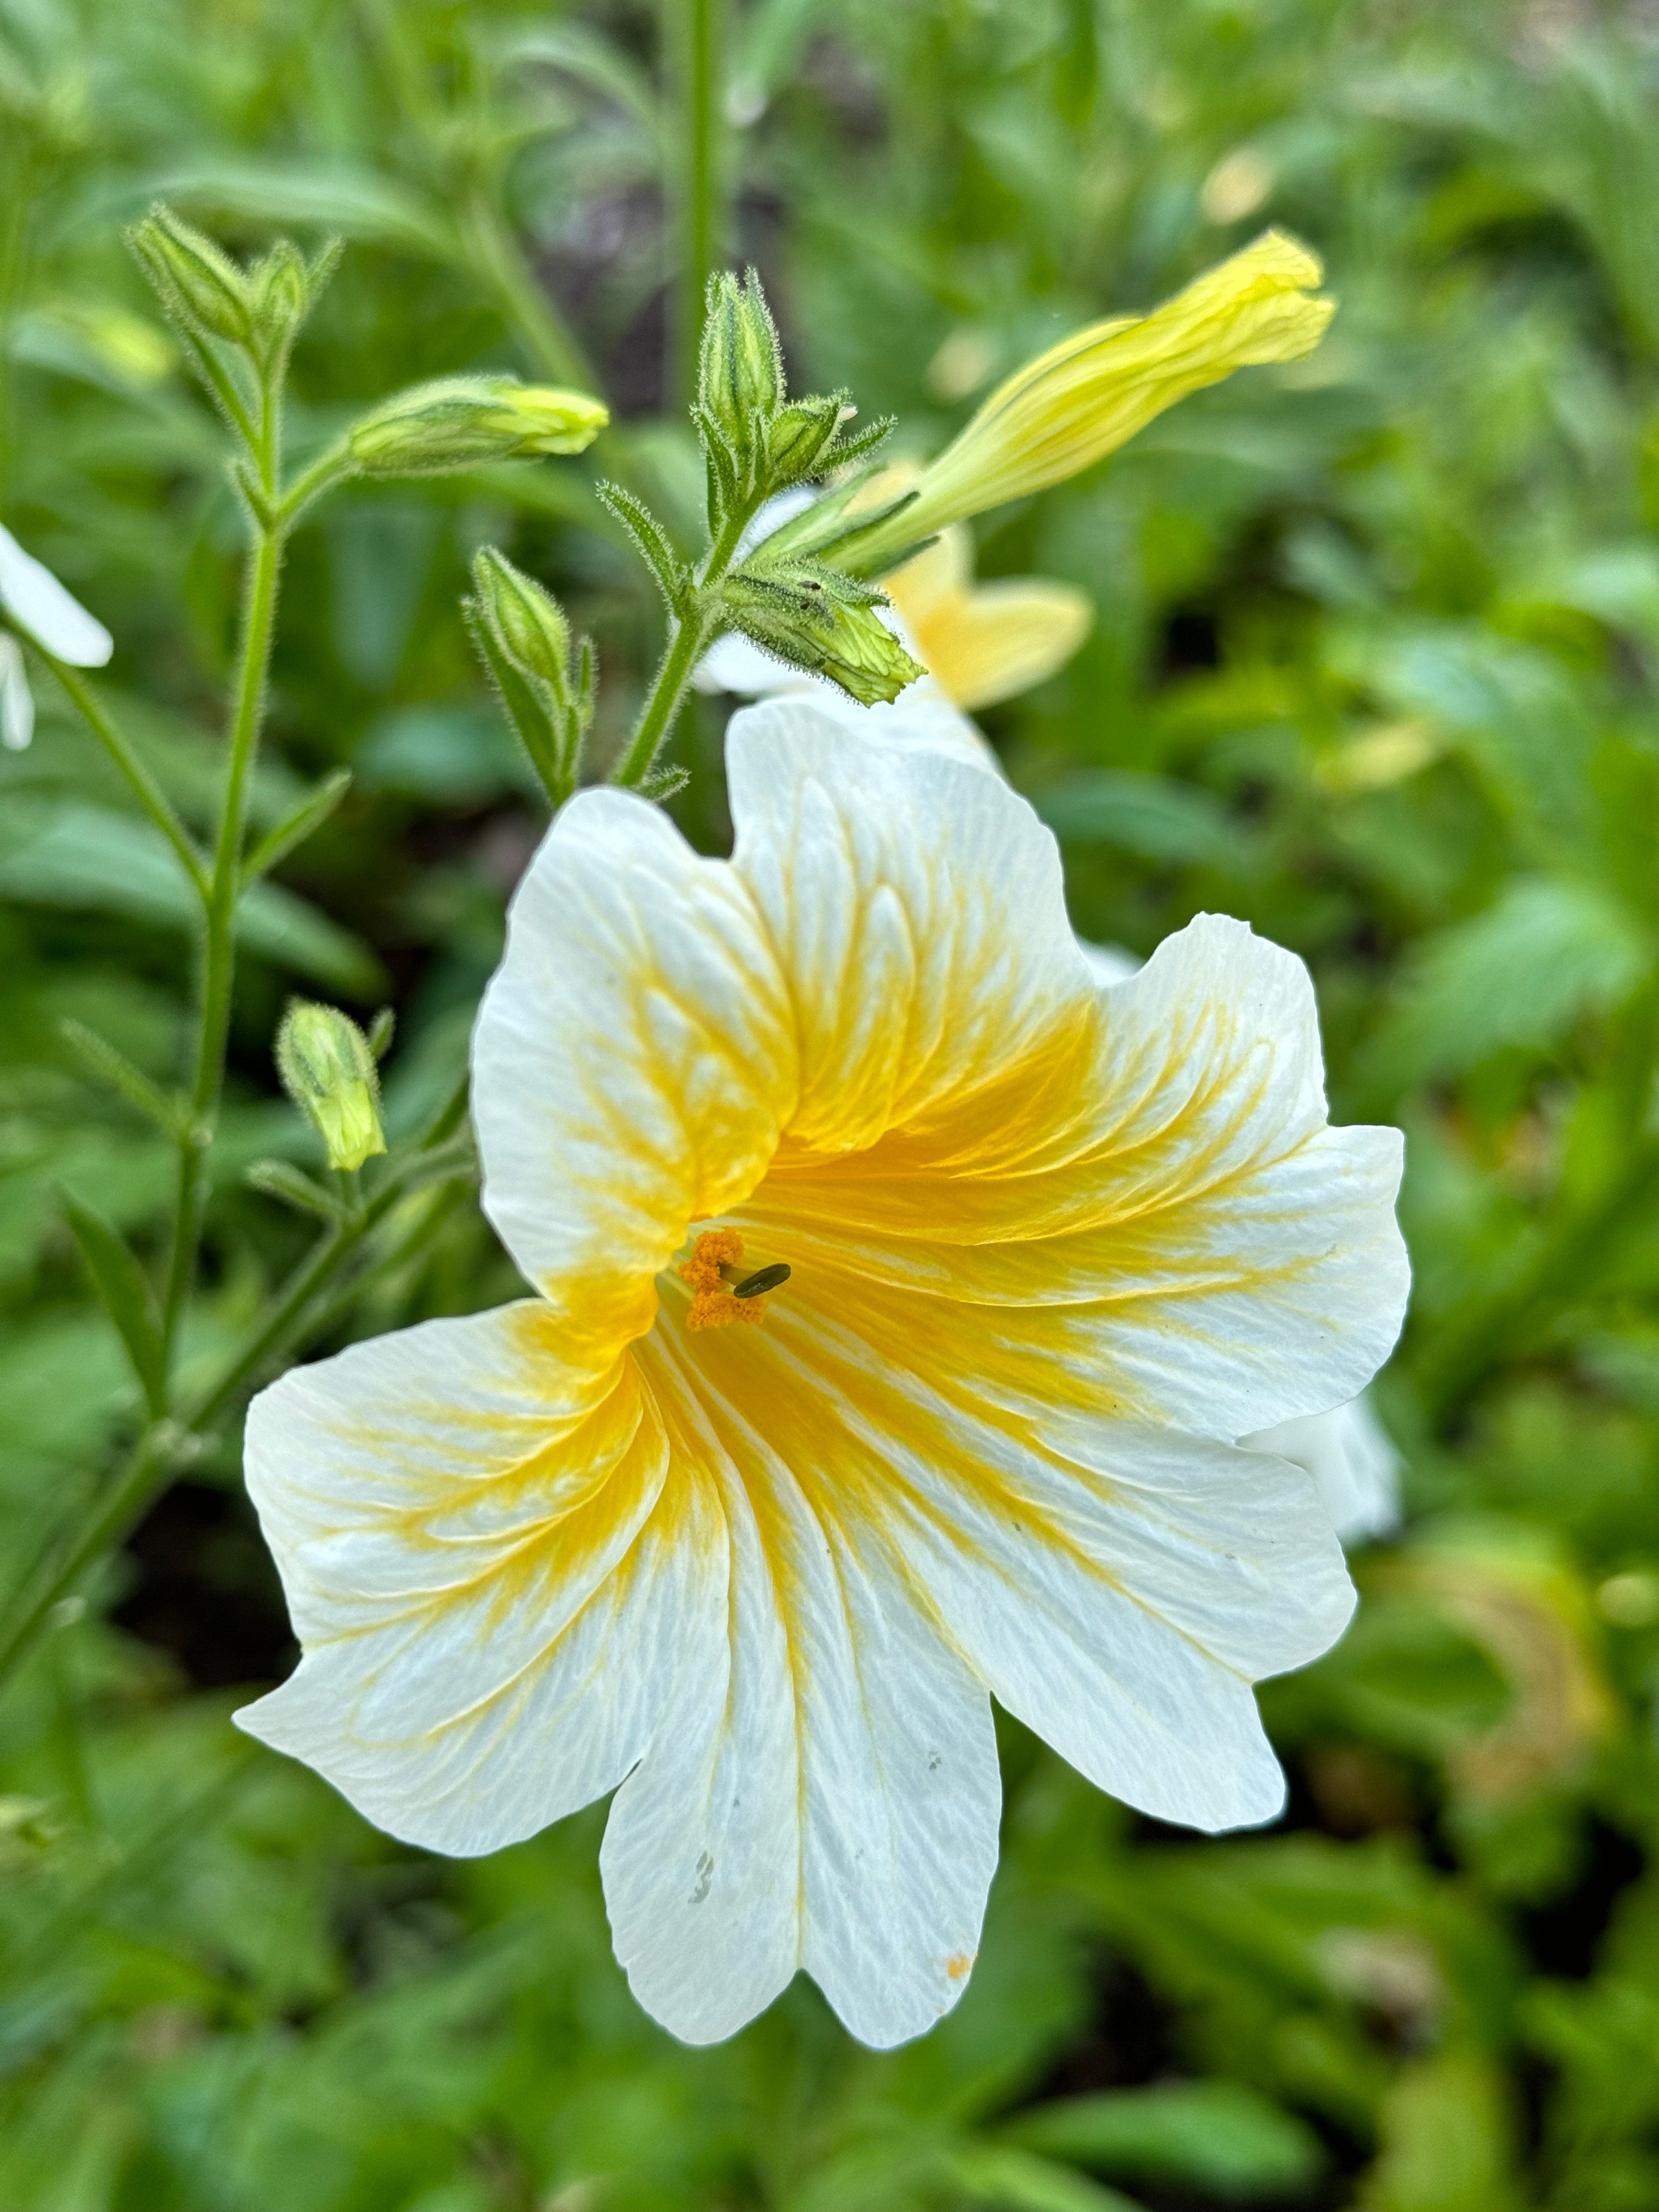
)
(32, 598)
(1052, 1249)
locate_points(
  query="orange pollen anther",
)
(713, 1305)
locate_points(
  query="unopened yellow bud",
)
(328, 1070)
(1086, 396)
(463, 422)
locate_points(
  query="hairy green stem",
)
(662, 704)
(218, 945)
(687, 639)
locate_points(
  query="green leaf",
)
(95, 860)
(291, 1187)
(1217, 2136)
(109, 1066)
(1522, 974)
(673, 579)
(128, 1299)
(333, 195)
(1148, 815)
(1005, 2177)
(310, 814)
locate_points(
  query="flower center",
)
(713, 1267)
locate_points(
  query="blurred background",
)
(1373, 666)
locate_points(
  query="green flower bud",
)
(822, 622)
(527, 623)
(328, 1070)
(524, 642)
(193, 276)
(798, 440)
(740, 369)
(463, 422)
(279, 294)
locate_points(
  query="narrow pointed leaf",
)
(309, 815)
(290, 1187)
(108, 1065)
(125, 1290)
(673, 579)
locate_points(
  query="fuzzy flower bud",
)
(465, 422)
(194, 278)
(528, 622)
(824, 623)
(740, 371)
(279, 293)
(328, 1070)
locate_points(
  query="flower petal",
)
(33, 596)
(917, 913)
(1151, 1195)
(16, 699)
(993, 643)
(1355, 1467)
(940, 576)
(828, 1797)
(1087, 395)
(491, 1589)
(1116, 1587)
(634, 1062)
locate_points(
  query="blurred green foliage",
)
(1375, 668)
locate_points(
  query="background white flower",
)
(35, 599)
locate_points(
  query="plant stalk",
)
(694, 41)
(688, 637)
(218, 945)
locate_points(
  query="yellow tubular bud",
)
(1086, 396)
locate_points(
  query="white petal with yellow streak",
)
(1145, 1211)
(634, 1060)
(827, 1798)
(1117, 1587)
(492, 1592)
(917, 911)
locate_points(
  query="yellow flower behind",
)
(984, 642)
(1051, 1249)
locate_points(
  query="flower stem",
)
(694, 41)
(662, 704)
(689, 636)
(217, 959)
